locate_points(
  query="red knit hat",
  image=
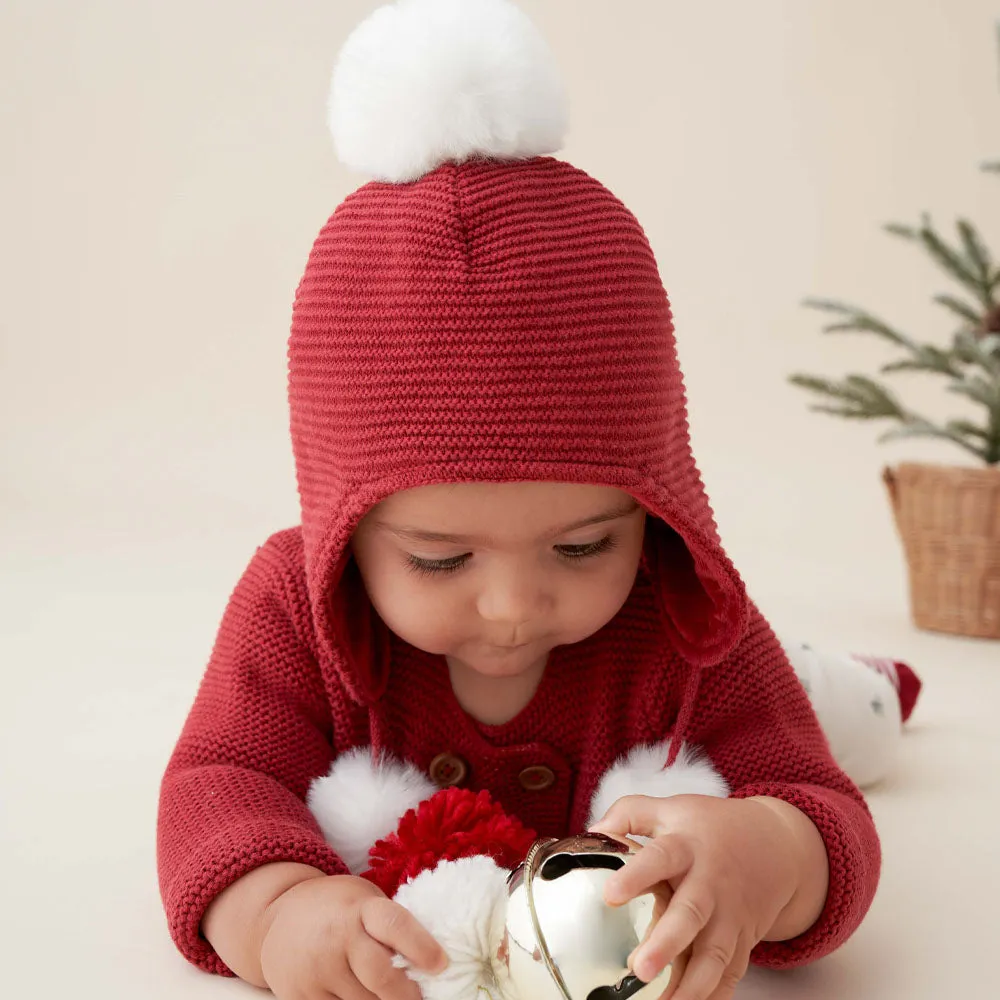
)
(483, 313)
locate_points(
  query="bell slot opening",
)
(629, 986)
(558, 865)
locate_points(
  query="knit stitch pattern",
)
(492, 321)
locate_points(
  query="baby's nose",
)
(514, 598)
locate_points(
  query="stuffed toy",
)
(523, 918)
(861, 702)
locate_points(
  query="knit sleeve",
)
(232, 797)
(756, 724)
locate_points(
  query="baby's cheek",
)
(592, 607)
(433, 619)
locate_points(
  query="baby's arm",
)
(249, 884)
(238, 919)
(812, 871)
(232, 797)
(766, 741)
(779, 873)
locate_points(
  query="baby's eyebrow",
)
(422, 535)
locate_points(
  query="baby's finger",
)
(679, 964)
(639, 815)
(338, 980)
(662, 895)
(687, 914)
(399, 930)
(658, 861)
(717, 965)
(371, 963)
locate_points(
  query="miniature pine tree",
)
(970, 363)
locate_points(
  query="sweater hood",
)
(492, 322)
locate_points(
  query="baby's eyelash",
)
(604, 544)
(571, 553)
(435, 568)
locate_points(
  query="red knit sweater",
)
(489, 322)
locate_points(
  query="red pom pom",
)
(453, 823)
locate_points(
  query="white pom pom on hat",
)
(425, 82)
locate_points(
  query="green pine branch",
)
(857, 320)
(961, 309)
(978, 351)
(969, 262)
(924, 428)
(976, 251)
(966, 348)
(926, 358)
(857, 397)
(970, 363)
(979, 390)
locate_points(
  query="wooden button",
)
(536, 778)
(447, 769)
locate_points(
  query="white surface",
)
(166, 167)
(99, 674)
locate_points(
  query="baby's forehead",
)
(483, 494)
(476, 507)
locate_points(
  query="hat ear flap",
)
(703, 602)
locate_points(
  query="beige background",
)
(165, 169)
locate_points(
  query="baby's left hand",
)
(734, 866)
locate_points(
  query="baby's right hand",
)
(337, 935)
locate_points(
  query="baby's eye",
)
(571, 553)
(590, 549)
(430, 567)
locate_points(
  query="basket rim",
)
(942, 470)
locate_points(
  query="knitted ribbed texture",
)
(493, 321)
(233, 794)
(488, 322)
(755, 721)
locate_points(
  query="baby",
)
(507, 571)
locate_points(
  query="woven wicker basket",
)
(949, 521)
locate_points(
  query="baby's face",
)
(493, 575)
